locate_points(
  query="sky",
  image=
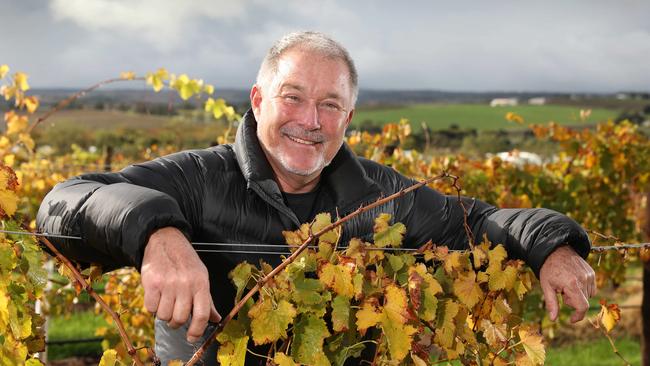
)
(554, 46)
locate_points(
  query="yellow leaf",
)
(321, 221)
(479, 255)
(4, 311)
(495, 334)
(446, 326)
(15, 123)
(269, 323)
(501, 278)
(283, 360)
(368, 316)
(127, 75)
(453, 261)
(514, 117)
(398, 333)
(31, 104)
(496, 255)
(27, 140)
(338, 278)
(8, 197)
(467, 289)
(109, 358)
(157, 79)
(4, 69)
(20, 81)
(609, 315)
(500, 310)
(533, 344)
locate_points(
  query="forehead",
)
(312, 71)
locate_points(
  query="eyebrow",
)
(302, 89)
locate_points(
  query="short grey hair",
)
(310, 41)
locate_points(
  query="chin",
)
(303, 169)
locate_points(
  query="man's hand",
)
(176, 283)
(565, 272)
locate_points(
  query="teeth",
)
(301, 141)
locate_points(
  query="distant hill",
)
(367, 97)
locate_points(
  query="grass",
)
(77, 325)
(481, 117)
(595, 353)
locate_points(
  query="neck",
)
(297, 184)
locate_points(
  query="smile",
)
(301, 141)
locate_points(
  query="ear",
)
(256, 99)
(349, 118)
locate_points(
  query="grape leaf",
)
(446, 327)
(321, 221)
(338, 278)
(467, 289)
(269, 323)
(240, 275)
(340, 313)
(398, 334)
(309, 333)
(609, 315)
(233, 341)
(388, 235)
(532, 342)
(368, 316)
(109, 358)
(500, 279)
(4, 69)
(282, 359)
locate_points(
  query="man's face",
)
(302, 113)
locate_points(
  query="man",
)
(287, 164)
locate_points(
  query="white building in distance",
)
(504, 102)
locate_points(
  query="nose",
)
(310, 118)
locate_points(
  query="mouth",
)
(301, 141)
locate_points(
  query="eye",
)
(292, 98)
(332, 106)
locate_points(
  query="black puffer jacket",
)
(227, 194)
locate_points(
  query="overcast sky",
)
(590, 45)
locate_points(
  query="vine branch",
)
(89, 289)
(196, 357)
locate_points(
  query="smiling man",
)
(288, 163)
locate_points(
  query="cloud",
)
(165, 24)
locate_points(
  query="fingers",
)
(575, 298)
(200, 316)
(590, 279)
(165, 309)
(215, 317)
(182, 309)
(550, 299)
(151, 300)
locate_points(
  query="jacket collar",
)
(345, 176)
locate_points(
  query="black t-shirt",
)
(302, 204)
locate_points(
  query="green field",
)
(478, 116)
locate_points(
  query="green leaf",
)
(269, 323)
(309, 333)
(387, 235)
(321, 221)
(340, 313)
(239, 277)
(233, 340)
